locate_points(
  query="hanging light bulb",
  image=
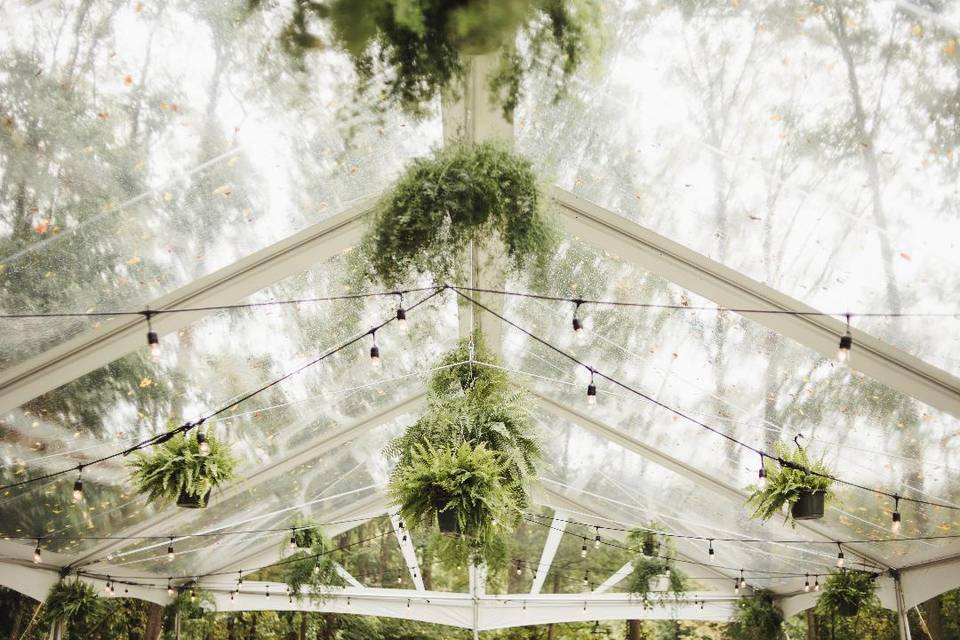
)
(36, 554)
(586, 579)
(583, 549)
(840, 557)
(170, 554)
(816, 583)
(402, 326)
(374, 351)
(203, 447)
(293, 540)
(316, 567)
(762, 474)
(524, 605)
(736, 587)
(806, 583)
(408, 603)
(348, 601)
(109, 585)
(710, 550)
(596, 539)
(239, 578)
(743, 582)
(193, 595)
(267, 592)
(577, 322)
(399, 580)
(78, 485)
(519, 572)
(153, 340)
(591, 391)
(846, 344)
(169, 587)
(233, 596)
(895, 518)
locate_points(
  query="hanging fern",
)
(416, 50)
(312, 572)
(464, 480)
(176, 469)
(72, 603)
(475, 403)
(756, 618)
(846, 592)
(786, 482)
(652, 560)
(461, 195)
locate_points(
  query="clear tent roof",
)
(144, 148)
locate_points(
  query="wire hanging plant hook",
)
(796, 441)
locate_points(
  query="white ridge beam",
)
(728, 288)
(118, 337)
(162, 522)
(554, 535)
(405, 539)
(615, 578)
(681, 468)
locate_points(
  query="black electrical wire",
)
(691, 419)
(186, 427)
(502, 292)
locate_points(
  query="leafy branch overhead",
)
(416, 50)
(442, 204)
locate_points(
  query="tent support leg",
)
(903, 622)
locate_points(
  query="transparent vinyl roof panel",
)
(326, 489)
(624, 490)
(810, 146)
(144, 145)
(742, 380)
(207, 366)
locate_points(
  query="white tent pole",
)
(903, 622)
(554, 535)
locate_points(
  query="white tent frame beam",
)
(483, 612)
(554, 535)
(731, 289)
(310, 450)
(405, 540)
(120, 336)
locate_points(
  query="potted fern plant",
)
(789, 483)
(441, 204)
(458, 488)
(421, 47)
(846, 592)
(71, 605)
(180, 469)
(311, 569)
(652, 571)
(756, 618)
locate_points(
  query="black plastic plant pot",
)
(809, 506)
(848, 609)
(191, 501)
(447, 521)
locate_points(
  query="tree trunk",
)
(633, 630)
(931, 608)
(812, 625)
(176, 625)
(328, 626)
(15, 628)
(550, 632)
(232, 627)
(154, 622)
